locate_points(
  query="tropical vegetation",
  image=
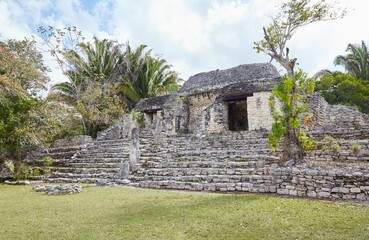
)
(341, 88)
(103, 80)
(351, 88)
(22, 76)
(356, 62)
(142, 75)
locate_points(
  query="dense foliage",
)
(142, 75)
(340, 88)
(22, 76)
(103, 81)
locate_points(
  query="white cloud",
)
(192, 35)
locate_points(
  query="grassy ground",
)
(128, 213)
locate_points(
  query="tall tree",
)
(22, 76)
(142, 75)
(89, 67)
(356, 62)
(293, 14)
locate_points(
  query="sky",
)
(192, 35)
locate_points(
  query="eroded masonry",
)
(212, 136)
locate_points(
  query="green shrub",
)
(335, 147)
(307, 143)
(48, 161)
(356, 148)
(19, 170)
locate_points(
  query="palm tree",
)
(144, 76)
(356, 62)
(91, 66)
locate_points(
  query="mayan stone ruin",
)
(212, 135)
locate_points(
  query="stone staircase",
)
(218, 162)
(97, 161)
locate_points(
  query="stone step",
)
(214, 179)
(179, 172)
(93, 165)
(103, 155)
(106, 150)
(234, 158)
(64, 149)
(97, 160)
(223, 154)
(207, 164)
(88, 170)
(221, 187)
(62, 155)
(72, 180)
(83, 175)
(114, 141)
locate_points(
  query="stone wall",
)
(322, 184)
(336, 120)
(118, 131)
(259, 113)
(197, 105)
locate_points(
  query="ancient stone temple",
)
(213, 136)
(234, 99)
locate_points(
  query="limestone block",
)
(324, 194)
(355, 190)
(283, 191)
(361, 196)
(311, 194)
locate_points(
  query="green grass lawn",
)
(129, 213)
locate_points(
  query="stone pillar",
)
(134, 155)
(124, 170)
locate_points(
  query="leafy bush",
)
(19, 170)
(356, 148)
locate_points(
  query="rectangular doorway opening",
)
(237, 115)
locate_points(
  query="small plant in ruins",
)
(330, 143)
(335, 147)
(356, 148)
(139, 117)
(48, 161)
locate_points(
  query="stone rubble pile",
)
(58, 189)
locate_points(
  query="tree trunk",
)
(292, 147)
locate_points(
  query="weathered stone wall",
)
(259, 112)
(74, 141)
(176, 115)
(118, 131)
(322, 184)
(336, 120)
(197, 105)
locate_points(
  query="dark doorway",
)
(237, 115)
